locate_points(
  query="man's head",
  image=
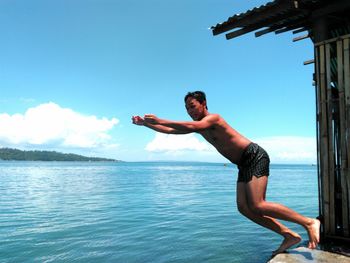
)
(196, 104)
(198, 95)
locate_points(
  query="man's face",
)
(195, 109)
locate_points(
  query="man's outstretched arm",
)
(157, 127)
(185, 126)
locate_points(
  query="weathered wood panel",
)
(330, 138)
(324, 138)
(343, 150)
(347, 120)
(332, 70)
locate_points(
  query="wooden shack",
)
(327, 24)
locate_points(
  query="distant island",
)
(8, 154)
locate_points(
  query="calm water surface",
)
(139, 212)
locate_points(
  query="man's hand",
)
(151, 118)
(138, 120)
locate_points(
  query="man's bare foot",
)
(313, 231)
(290, 239)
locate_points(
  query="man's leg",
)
(290, 238)
(256, 189)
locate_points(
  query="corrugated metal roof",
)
(236, 17)
(278, 16)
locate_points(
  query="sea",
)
(140, 212)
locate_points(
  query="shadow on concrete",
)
(307, 255)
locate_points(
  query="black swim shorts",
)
(254, 162)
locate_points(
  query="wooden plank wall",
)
(332, 70)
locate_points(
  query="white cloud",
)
(177, 144)
(282, 149)
(50, 124)
(290, 149)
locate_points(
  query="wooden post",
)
(329, 126)
(318, 118)
(342, 137)
(347, 114)
(347, 93)
(324, 140)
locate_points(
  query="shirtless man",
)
(253, 164)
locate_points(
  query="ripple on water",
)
(138, 212)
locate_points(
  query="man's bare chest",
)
(211, 135)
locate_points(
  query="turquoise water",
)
(139, 212)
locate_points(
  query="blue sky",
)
(72, 73)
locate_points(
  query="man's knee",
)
(257, 207)
(243, 208)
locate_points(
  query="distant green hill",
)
(18, 155)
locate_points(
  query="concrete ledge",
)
(305, 255)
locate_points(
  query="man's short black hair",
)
(198, 95)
